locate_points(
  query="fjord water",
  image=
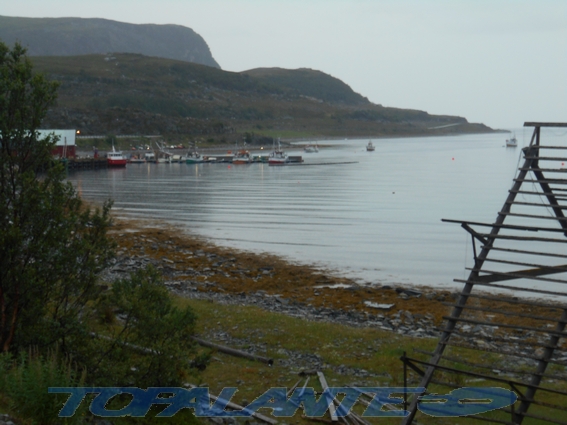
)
(376, 218)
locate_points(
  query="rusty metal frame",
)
(535, 346)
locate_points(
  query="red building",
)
(65, 146)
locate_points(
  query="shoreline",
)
(289, 142)
(193, 267)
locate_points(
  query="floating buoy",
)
(452, 159)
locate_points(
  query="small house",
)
(65, 146)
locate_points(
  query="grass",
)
(375, 351)
(290, 340)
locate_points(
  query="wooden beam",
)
(545, 124)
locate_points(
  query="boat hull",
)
(116, 162)
(277, 161)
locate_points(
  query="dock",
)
(84, 163)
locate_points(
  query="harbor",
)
(374, 216)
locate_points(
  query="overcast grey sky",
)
(499, 62)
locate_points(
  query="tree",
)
(51, 246)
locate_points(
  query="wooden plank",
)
(521, 251)
(235, 406)
(525, 238)
(545, 124)
(546, 158)
(527, 192)
(232, 351)
(534, 204)
(543, 217)
(332, 411)
(512, 288)
(532, 274)
(507, 226)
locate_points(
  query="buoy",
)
(452, 159)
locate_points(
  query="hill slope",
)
(77, 36)
(310, 83)
(134, 94)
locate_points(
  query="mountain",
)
(308, 82)
(77, 36)
(135, 94)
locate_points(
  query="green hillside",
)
(308, 82)
(135, 94)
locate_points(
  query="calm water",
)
(378, 220)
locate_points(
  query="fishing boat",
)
(242, 157)
(512, 142)
(137, 159)
(164, 160)
(150, 157)
(163, 155)
(311, 148)
(278, 156)
(193, 158)
(116, 158)
(370, 147)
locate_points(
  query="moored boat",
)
(150, 157)
(242, 157)
(512, 142)
(278, 156)
(193, 158)
(311, 148)
(137, 159)
(370, 147)
(116, 158)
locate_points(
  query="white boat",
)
(150, 157)
(370, 147)
(137, 159)
(116, 158)
(194, 157)
(242, 157)
(512, 142)
(164, 160)
(163, 156)
(311, 148)
(277, 156)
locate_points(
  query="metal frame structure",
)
(513, 336)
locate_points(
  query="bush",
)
(25, 382)
(149, 344)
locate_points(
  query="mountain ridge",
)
(136, 94)
(82, 36)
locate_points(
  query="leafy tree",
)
(51, 246)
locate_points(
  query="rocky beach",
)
(194, 268)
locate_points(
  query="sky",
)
(497, 62)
